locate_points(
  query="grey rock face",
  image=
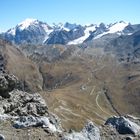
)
(70, 26)
(130, 52)
(131, 28)
(7, 84)
(57, 37)
(63, 37)
(24, 109)
(28, 110)
(22, 103)
(89, 132)
(123, 125)
(99, 30)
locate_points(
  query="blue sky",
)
(75, 11)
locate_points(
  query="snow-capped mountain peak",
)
(35, 32)
(36, 25)
(26, 23)
(118, 26)
(88, 29)
(66, 27)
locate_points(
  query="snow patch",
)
(83, 38)
(117, 27)
(66, 29)
(114, 28)
(47, 34)
(26, 23)
(46, 123)
(45, 27)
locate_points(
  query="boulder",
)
(31, 121)
(123, 125)
(91, 131)
(2, 137)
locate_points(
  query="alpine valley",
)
(70, 81)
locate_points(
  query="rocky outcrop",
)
(24, 109)
(89, 132)
(31, 121)
(115, 128)
(63, 36)
(22, 104)
(123, 125)
(7, 84)
(28, 110)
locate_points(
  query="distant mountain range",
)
(33, 31)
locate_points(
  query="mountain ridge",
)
(33, 31)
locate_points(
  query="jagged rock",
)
(2, 137)
(89, 132)
(28, 110)
(23, 104)
(31, 121)
(24, 109)
(123, 125)
(12, 81)
(27, 121)
(8, 107)
(7, 84)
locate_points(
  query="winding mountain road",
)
(97, 103)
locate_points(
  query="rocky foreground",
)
(26, 116)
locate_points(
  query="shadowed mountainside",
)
(15, 62)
